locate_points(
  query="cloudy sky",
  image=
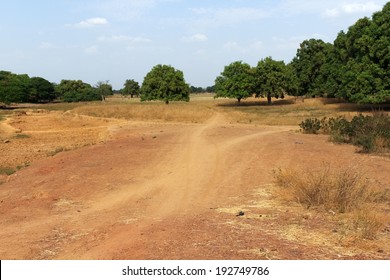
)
(115, 40)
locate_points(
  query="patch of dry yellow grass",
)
(193, 112)
(341, 192)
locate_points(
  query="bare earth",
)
(149, 190)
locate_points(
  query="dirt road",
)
(173, 191)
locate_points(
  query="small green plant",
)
(310, 126)
(21, 136)
(7, 171)
(56, 151)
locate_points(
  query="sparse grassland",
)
(289, 111)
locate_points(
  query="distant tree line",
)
(16, 88)
(195, 90)
(355, 68)
(21, 88)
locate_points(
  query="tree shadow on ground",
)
(256, 103)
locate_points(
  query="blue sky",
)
(115, 40)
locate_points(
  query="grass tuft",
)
(7, 171)
(341, 191)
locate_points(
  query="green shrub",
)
(7, 171)
(311, 126)
(370, 133)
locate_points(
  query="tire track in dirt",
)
(86, 203)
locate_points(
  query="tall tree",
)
(236, 81)
(270, 79)
(131, 88)
(307, 64)
(104, 89)
(13, 87)
(76, 91)
(165, 83)
(41, 90)
(362, 56)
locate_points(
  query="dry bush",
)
(341, 191)
(367, 222)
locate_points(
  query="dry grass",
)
(342, 192)
(203, 106)
(130, 109)
(368, 222)
(285, 112)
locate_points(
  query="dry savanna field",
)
(201, 180)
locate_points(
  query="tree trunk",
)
(239, 100)
(269, 99)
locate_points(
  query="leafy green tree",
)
(197, 89)
(76, 91)
(291, 81)
(270, 79)
(361, 60)
(236, 81)
(165, 83)
(22, 88)
(13, 87)
(41, 90)
(131, 88)
(104, 89)
(210, 89)
(307, 64)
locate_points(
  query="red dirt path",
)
(172, 191)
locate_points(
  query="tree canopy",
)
(165, 83)
(355, 67)
(76, 91)
(104, 89)
(270, 79)
(236, 81)
(16, 88)
(308, 65)
(131, 88)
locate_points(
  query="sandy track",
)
(163, 191)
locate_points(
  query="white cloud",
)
(331, 13)
(200, 11)
(195, 38)
(257, 46)
(215, 18)
(124, 10)
(46, 46)
(124, 38)
(233, 46)
(288, 43)
(352, 8)
(92, 50)
(91, 22)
